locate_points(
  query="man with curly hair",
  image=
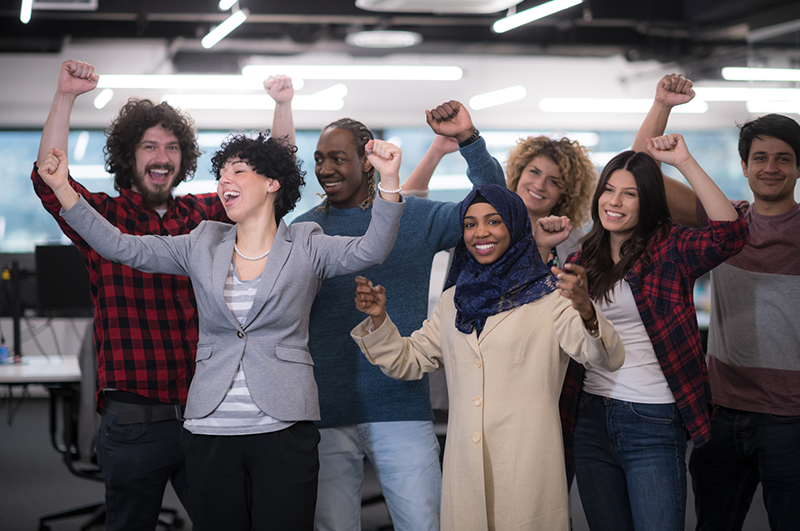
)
(145, 325)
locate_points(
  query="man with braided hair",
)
(364, 412)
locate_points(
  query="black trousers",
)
(253, 482)
(136, 461)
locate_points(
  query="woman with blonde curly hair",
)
(553, 178)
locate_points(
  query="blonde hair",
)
(578, 176)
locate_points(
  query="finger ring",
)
(580, 284)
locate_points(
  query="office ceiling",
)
(699, 35)
(601, 49)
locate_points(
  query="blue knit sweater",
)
(352, 390)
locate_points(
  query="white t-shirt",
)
(640, 379)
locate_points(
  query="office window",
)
(23, 221)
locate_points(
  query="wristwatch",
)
(471, 138)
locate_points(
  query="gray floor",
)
(34, 481)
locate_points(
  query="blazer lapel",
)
(278, 255)
(219, 273)
(492, 321)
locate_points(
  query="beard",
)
(154, 194)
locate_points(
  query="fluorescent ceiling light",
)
(535, 13)
(735, 73)
(103, 98)
(459, 7)
(225, 5)
(745, 94)
(227, 26)
(613, 105)
(359, 72)
(80, 146)
(383, 39)
(182, 82)
(497, 97)
(25, 11)
(330, 99)
(766, 107)
(505, 139)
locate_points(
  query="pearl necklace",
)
(250, 257)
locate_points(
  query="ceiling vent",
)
(465, 7)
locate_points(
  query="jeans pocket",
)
(655, 413)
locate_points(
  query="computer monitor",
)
(27, 282)
(62, 282)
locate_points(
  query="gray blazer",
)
(273, 342)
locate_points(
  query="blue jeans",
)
(405, 456)
(136, 461)
(745, 449)
(630, 465)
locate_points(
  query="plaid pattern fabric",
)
(145, 324)
(663, 287)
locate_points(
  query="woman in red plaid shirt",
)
(632, 426)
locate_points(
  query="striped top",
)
(237, 414)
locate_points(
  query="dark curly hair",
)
(270, 157)
(136, 117)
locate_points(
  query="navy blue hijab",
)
(516, 278)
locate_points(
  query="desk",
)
(41, 370)
(53, 371)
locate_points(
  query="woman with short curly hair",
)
(553, 178)
(249, 439)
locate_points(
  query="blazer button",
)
(476, 437)
(478, 400)
(239, 334)
(478, 363)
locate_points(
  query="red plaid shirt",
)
(145, 324)
(663, 289)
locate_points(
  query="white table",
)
(54, 372)
(41, 370)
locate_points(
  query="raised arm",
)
(74, 79)
(672, 150)
(421, 176)
(281, 90)
(341, 255)
(151, 254)
(452, 119)
(672, 90)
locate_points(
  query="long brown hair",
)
(601, 271)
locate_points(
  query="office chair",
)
(75, 407)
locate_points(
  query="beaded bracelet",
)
(381, 189)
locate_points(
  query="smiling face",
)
(339, 169)
(485, 234)
(772, 170)
(538, 186)
(618, 205)
(157, 162)
(243, 192)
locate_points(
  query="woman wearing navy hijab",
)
(505, 329)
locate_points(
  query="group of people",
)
(234, 361)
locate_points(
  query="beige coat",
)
(504, 459)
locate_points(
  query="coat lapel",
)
(278, 255)
(219, 273)
(492, 322)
